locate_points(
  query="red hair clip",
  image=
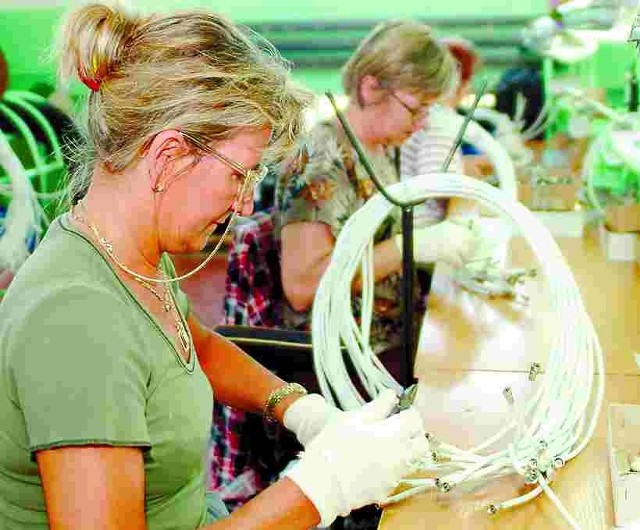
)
(92, 82)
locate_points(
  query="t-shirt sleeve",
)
(321, 192)
(79, 375)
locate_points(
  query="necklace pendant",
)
(106, 245)
(183, 336)
(166, 301)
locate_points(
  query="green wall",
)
(256, 10)
(26, 35)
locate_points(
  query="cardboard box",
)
(618, 246)
(563, 224)
(624, 446)
(623, 218)
(549, 197)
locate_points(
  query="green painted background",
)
(26, 34)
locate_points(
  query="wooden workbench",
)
(470, 348)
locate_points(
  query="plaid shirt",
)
(245, 457)
(253, 290)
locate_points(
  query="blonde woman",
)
(396, 73)
(105, 377)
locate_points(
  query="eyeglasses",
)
(417, 114)
(251, 177)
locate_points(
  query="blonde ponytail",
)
(93, 39)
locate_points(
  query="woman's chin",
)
(208, 233)
(196, 244)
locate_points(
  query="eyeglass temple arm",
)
(243, 171)
(215, 154)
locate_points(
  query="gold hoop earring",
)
(158, 188)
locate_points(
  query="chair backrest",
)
(253, 290)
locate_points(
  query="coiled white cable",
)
(606, 150)
(544, 432)
(480, 138)
(507, 134)
(21, 216)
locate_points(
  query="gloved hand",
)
(485, 256)
(308, 415)
(450, 241)
(492, 237)
(357, 459)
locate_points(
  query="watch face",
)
(634, 35)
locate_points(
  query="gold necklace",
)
(168, 303)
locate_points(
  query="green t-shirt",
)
(82, 362)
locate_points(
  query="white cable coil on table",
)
(549, 429)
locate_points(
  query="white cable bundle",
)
(508, 134)
(477, 136)
(21, 215)
(541, 434)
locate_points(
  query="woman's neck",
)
(121, 217)
(362, 128)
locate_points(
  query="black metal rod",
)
(408, 284)
(463, 128)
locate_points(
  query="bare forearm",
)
(459, 207)
(387, 260)
(238, 380)
(300, 289)
(282, 506)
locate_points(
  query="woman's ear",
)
(370, 91)
(166, 158)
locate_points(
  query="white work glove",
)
(490, 248)
(452, 242)
(358, 458)
(484, 257)
(308, 415)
